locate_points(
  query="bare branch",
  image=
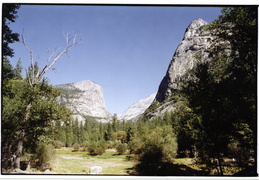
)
(55, 55)
(70, 43)
(32, 80)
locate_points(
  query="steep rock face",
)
(84, 99)
(195, 43)
(135, 110)
(192, 49)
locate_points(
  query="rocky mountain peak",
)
(194, 28)
(85, 99)
(195, 40)
(191, 50)
(135, 110)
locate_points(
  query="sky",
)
(124, 49)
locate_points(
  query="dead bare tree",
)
(34, 78)
(53, 58)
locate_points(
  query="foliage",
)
(121, 148)
(17, 118)
(159, 145)
(57, 144)
(135, 146)
(121, 136)
(222, 92)
(76, 146)
(156, 145)
(45, 154)
(97, 148)
(9, 15)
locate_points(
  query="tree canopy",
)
(224, 92)
(9, 16)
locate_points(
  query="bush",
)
(57, 144)
(121, 148)
(135, 146)
(155, 146)
(97, 148)
(159, 146)
(76, 146)
(85, 145)
(122, 136)
(110, 144)
(45, 154)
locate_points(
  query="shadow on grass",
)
(164, 169)
(248, 171)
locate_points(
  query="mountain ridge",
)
(191, 50)
(136, 109)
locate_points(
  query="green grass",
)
(79, 162)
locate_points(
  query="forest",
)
(214, 122)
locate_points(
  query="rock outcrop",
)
(191, 50)
(95, 170)
(84, 99)
(135, 110)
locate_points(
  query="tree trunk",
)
(19, 150)
(21, 138)
(220, 166)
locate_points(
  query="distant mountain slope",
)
(192, 49)
(84, 99)
(132, 112)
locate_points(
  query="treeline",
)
(152, 141)
(117, 131)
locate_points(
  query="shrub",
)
(155, 146)
(76, 146)
(135, 146)
(121, 148)
(85, 145)
(97, 148)
(57, 144)
(45, 154)
(110, 144)
(159, 146)
(122, 136)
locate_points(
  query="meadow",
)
(68, 161)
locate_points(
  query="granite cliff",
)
(192, 49)
(85, 99)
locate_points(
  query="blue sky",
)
(125, 49)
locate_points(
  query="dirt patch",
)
(70, 157)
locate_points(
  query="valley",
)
(202, 121)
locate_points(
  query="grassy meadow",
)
(68, 161)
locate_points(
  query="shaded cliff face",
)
(191, 50)
(135, 110)
(84, 99)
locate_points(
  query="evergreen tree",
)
(114, 122)
(9, 15)
(18, 69)
(224, 91)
